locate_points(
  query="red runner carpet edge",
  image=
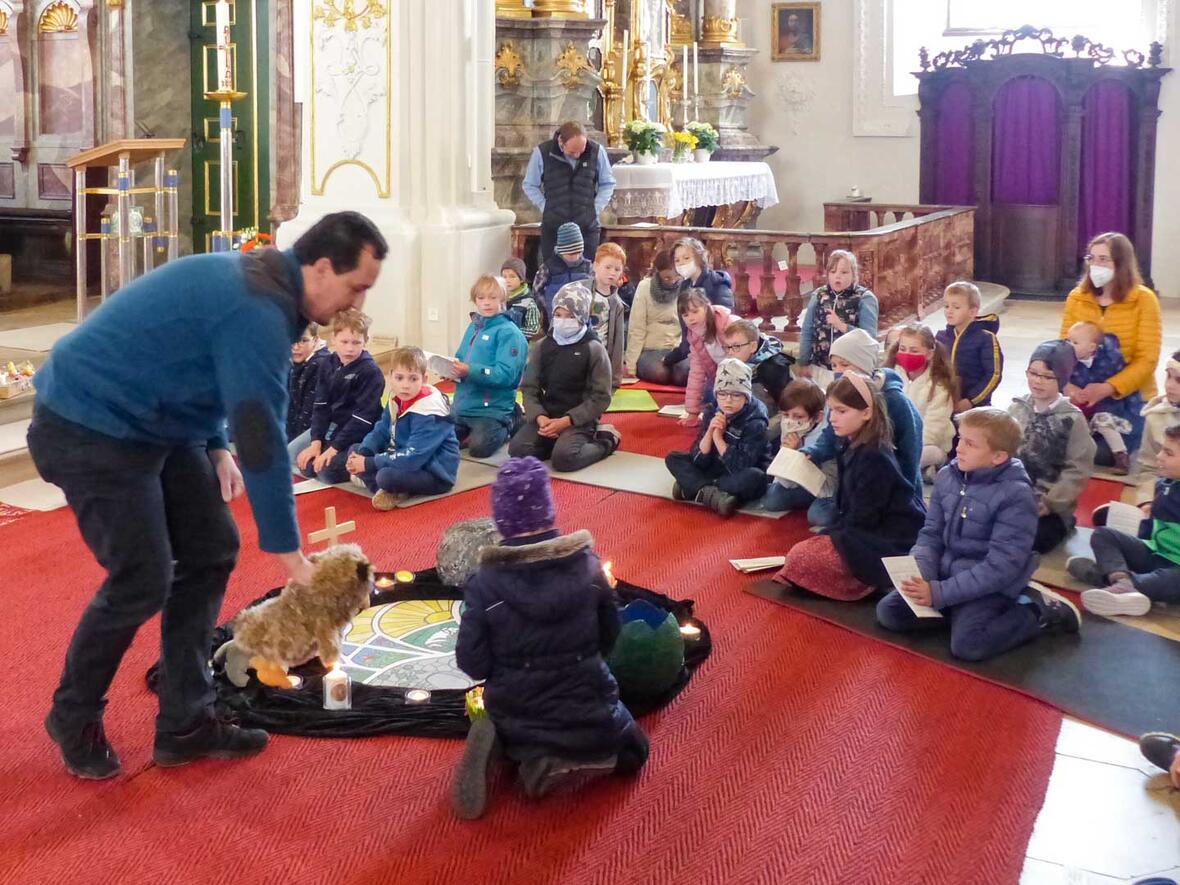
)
(799, 753)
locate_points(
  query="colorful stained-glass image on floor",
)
(406, 644)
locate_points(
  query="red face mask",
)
(912, 362)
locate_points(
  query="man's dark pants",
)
(154, 519)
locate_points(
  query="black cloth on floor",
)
(381, 709)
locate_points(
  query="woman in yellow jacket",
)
(1111, 293)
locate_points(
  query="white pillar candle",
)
(684, 74)
(623, 78)
(696, 82)
(225, 79)
(337, 690)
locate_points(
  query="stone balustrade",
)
(907, 262)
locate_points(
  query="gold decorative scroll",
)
(333, 11)
(509, 65)
(512, 9)
(3, 22)
(559, 9)
(733, 83)
(58, 18)
(681, 30)
(717, 31)
(570, 65)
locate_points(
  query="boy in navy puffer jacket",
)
(539, 622)
(975, 550)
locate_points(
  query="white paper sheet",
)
(758, 563)
(1124, 518)
(677, 411)
(901, 569)
(792, 465)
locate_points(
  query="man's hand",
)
(229, 477)
(918, 590)
(355, 464)
(297, 566)
(308, 454)
(555, 426)
(323, 459)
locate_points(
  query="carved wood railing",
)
(907, 263)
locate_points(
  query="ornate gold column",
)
(719, 26)
(512, 9)
(557, 9)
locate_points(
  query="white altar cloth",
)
(668, 189)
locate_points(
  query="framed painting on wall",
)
(795, 31)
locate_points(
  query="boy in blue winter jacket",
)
(566, 265)
(975, 550)
(413, 449)
(490, 362)
(972, 345)
(347, 402)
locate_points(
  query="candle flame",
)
(607, 569)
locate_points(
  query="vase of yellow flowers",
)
(682, 144)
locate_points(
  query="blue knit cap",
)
(569, 239)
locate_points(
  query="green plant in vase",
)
(707, 139)
(644, 139)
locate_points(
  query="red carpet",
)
(799, 753)
(1096, 493)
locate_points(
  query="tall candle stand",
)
(225, 94)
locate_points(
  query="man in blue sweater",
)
(131, 422)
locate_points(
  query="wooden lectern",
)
(160, 231)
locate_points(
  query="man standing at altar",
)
(569, 179)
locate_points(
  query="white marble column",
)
(398, 124)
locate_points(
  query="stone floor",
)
(1108, 816)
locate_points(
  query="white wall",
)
(806, 108)
(819, 158)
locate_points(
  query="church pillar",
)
(725, 100)
(285, 121)
(116, 119)
(398, 124)
(17, 27)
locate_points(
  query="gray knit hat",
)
(569, 239)
(859, 348)
(515, 265)
(574, 297)
(1059, 356)
(733, 376)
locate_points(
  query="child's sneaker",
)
(1085, 570)
(1120, 598)
(469, 789)
(608, 434)
(384, 500)
(543, 775)
(356, 480)
(1057, 614)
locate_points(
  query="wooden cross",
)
(331, 532)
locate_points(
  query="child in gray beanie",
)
(1058, 450)
(727, 465)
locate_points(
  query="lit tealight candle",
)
(417, 696)
(384, 582)
(337, 690)
(690, 631)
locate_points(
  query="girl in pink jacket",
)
(706, 323)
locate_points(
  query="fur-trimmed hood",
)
(544, 581)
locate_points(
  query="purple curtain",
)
(1026, 143)
(956, 147)
(1107, 185)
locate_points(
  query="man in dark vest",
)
(569, 179)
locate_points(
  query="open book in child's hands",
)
(796, 467)
(1124, 518)
(901, 569)
(442, 366)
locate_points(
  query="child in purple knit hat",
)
(540, 619)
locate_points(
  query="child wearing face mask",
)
(1058, 450)
(842, 303)
(691, 262)
(802, 421)
(876, 512)
(1117, 422)
(308, 356)
(566, 389)
(727, 465)
(929, 382)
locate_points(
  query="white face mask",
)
(688, 270)
(795, 425)
(566, 327)
(1100, 276)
